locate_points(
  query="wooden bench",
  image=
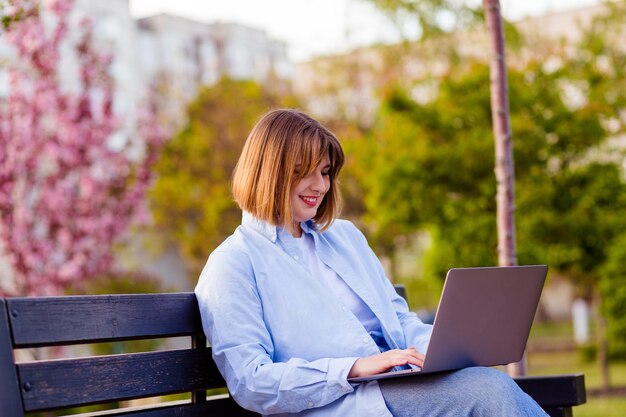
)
(68, 383)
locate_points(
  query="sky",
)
(319, 27)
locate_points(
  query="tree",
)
(191, 200)
(588, 73)
(571, 192)
(445, 159)
(613, 289)
(428, 16)
(67, 189)
(443, 178)
(504, 165)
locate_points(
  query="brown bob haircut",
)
(266, 170)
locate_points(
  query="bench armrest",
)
(555, 390)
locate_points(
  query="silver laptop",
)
(483, 319)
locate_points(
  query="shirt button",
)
(344, 308)
(310, 404)
(365, 339)
(296, 257)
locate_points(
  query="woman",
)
(295, 302)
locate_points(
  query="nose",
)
(319, 183)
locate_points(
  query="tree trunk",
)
(504, 168)
(603, 348)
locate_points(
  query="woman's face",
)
(308, 193)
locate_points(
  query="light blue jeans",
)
(470, 392)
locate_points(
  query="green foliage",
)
(432, 155)
(12, 12)
(613, 290)
(573, 218)
(588, 353)
(434, 169)
(434, 161)
(121, 282)
(191, 200)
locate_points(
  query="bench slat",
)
(214, 407)
(221, 407)
(49, 321)
(555, 390)
(10, 402)
(65, 383)
(559, 411)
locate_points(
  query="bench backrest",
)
(57, 321)
(57, 384)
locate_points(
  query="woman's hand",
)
(382, 362)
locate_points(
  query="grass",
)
(571, 361)
(602, 407)
(541, 332)
(551, 363)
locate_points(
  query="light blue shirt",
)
(282, 341)
(342, 291)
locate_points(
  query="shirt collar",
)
(269, 230)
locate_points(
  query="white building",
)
(179, 55)
(166, 51)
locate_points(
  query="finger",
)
(414, 349)
(398, 357)
(405, 357)
(416, 362)
(416, 358)
(414, 353)
(397, 362)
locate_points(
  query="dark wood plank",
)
(555, 390)
(559, 411)
(64, 383)
(401, 290)
(10, 400)
(84, 319)
(223, 406)
(198, 341)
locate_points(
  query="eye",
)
(325, 173)
(296, 169)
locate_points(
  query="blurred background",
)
(121, 122)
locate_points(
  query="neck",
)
(297, 230)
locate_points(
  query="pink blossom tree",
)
(66, 191)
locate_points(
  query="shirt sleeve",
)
(232, 318)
